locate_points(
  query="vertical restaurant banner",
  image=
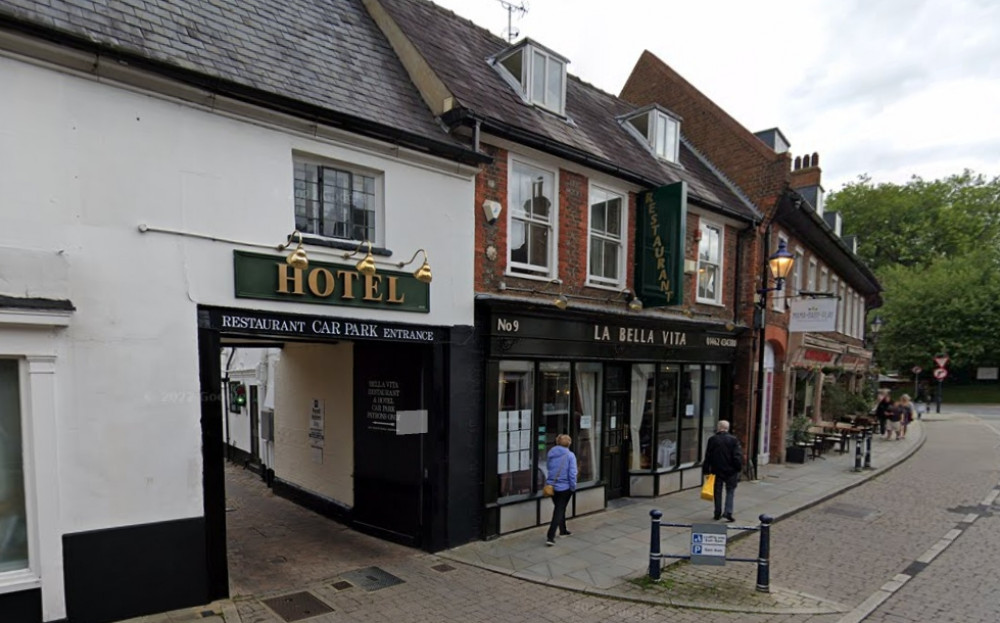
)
(810, 315)
(659, 253)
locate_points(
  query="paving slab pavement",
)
(607, 554)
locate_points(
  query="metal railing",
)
(763, 552)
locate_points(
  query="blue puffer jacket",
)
(562, 469)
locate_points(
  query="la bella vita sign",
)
(262, 276)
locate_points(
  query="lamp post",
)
(779, 266)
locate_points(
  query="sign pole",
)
(940, 383)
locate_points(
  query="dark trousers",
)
(881, 424)
(730, 484)
(559, 501)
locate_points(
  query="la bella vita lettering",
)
(639, 336)
(345, 284)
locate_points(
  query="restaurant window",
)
(514, 428)
(587, 418)
(13, 511)
(667, 420)
(337, 202)
(553, 388)
(711, 400)
(690, 421)
(532, 217)
(641, 416)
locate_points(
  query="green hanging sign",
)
(659, 253)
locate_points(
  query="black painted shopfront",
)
(638, 395)
(401, 478)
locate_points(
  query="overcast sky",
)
(888, 88)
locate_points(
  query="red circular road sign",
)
(917, 370)
(940, 374)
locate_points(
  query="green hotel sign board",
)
(659, 253)
(263, 276)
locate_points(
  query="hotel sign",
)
(262, 276)
(659, 253)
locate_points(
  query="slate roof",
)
(458, 50)
(321, 53)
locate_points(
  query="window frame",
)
(378, 197)
(660, 117)
(798, 270)
(622, 239)
(526, 270)
(525, 82)
(811, 275)
(709, 225)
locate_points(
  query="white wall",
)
(81, 165)
(325, 372)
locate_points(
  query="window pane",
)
(596, 257)
(690, 420)
(610, 260)
(553, 388)
(707, 280)
(710, 404)
(554, 85)
(641, 416)
(538, 245)
(670, 140)
(13, 518)
(598, 220)
(514, 428)
(666, 417)
(587, 421)
(615, 216)
(538, 77)
(518, 242)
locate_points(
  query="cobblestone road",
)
(841, 551)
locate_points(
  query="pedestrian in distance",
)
(894, 419)
(909, 412)
(882, 411)
(562, 476)
(724, 458)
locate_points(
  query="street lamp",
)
(779, 266)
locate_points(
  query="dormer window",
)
(659, 129)
(539, 74)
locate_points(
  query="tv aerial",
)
(521, 6)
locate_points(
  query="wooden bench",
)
(821, 440)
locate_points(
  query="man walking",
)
(724, 458)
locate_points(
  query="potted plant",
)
(798, 435)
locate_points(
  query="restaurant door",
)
(616, 442)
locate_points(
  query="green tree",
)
(919, 222)
(934, 247)
(947, 307)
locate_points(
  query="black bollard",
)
(654, 545)
(868, 450)
(764, 555)
(858, 438)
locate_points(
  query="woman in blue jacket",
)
(562, 476)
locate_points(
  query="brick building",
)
(789, 194)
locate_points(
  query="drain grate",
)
(443, 568)
(342, 585)
(852, 510)
(371, 578)
(297, 606)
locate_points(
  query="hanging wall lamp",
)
(367, 264)
(298, 257)
(423, 274)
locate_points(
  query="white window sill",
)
(708, 302)
(605, 286)
(531, 276)
(14, 581)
